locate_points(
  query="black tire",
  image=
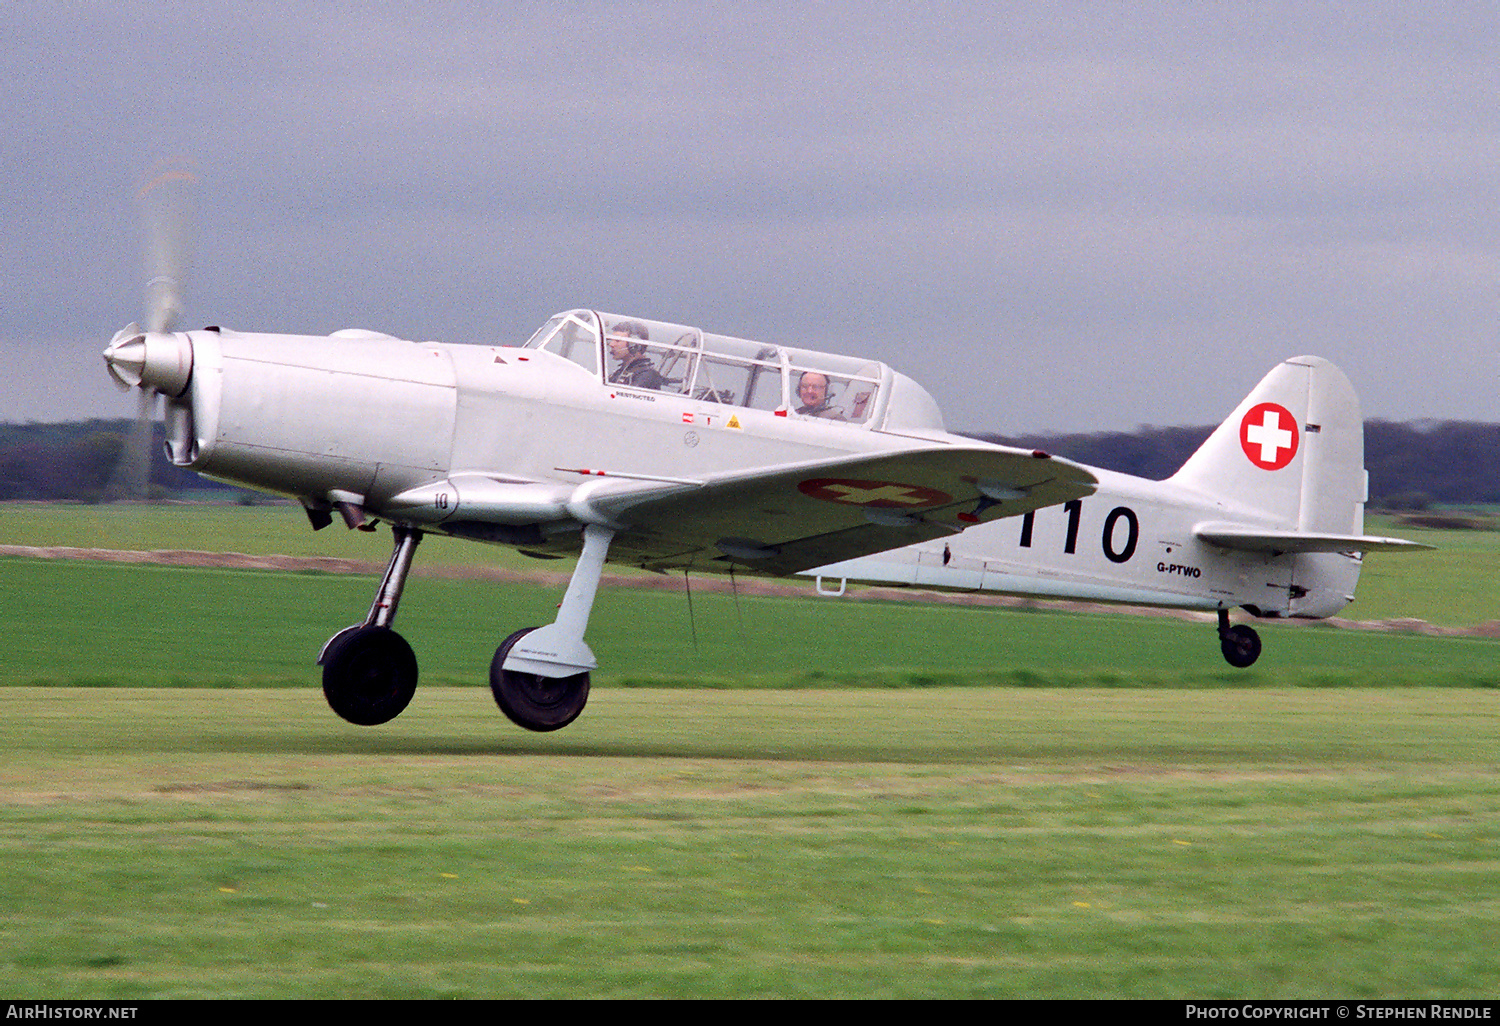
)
(1241, 645)
(369, 675)
(532, 701)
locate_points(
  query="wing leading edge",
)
(771, 520)
(781, 520)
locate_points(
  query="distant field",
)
(281, 528)
(1457, 585)
(915, 843)
(102, 624)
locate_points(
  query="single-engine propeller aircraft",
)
(667, 447)
(659, 445)
(1267, 515)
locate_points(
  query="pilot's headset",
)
(831, 388)
(632, 329)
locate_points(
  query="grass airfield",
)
(968, 842)
(865, 800)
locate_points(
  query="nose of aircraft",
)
(152, 359)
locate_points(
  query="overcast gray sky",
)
(1053, 215)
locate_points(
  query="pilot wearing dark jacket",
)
(635, 367)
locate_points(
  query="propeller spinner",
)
(157, 360)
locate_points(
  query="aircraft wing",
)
(783, 519)
(1232, 536)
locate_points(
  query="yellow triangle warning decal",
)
(734, 422)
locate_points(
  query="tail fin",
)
(1293, 451)
(1288, 470)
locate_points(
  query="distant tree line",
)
(81, 461)
(1412, 465)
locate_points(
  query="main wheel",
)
(532, 701)
(369, 675)
(1241, 645)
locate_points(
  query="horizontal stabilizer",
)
(1248, 539)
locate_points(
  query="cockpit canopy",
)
(635, 352)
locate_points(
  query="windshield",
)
(573, 336)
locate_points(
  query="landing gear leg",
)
(1240, 643)
(369, 671)
(540, 676)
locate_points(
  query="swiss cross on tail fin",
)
(1268, 435)
(1304, 402)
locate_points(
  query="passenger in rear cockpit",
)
(635, 366)
(812, 389)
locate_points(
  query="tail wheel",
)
(533, 701)
(1241, 645)
(369, 675)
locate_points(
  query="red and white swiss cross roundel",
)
(1268, 434)
(877, 494)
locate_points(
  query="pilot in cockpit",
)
(812, 389)
(635, 366)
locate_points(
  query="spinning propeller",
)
(156, 360)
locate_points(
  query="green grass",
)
(100, 624)
(902, 844)
(260, 530)
(819, 799)
(1457, 585)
